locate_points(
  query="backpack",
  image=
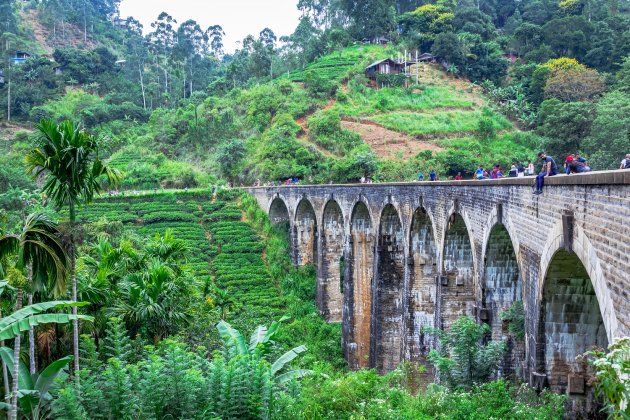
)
(627, 166)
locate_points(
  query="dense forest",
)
(135, 283)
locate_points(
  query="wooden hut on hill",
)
(386, 66)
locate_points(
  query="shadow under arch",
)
(305, 234)
(388, 331)
(422, 285)
(456, 289)
(279, 212)
(357, 296)
(570, 324)
(330, 267)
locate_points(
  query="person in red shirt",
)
(458, 177)
(568, 162)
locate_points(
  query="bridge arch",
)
(457, 286)
(423, 257)
(388, 293)
(330, 267)
(279, 211)
(358, 280)
(305, 233)
(576, 313)
(502, 290)
(584, 250)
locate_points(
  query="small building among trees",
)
(386, 66)
(19, 57)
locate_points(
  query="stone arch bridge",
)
(393, 258)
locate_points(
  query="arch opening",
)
(457, 294)
(305, 234)
(357, 296)
(330, 267)
(422, 285)
(570, 324)
(502, 289)
(388, 331)
(278, 212)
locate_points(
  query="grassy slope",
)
(433, 113)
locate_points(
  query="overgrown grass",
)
(367, 101)
(340, 64)
(444, 122)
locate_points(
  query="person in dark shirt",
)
(432, 175)
(550, 168)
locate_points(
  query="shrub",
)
(462, 360)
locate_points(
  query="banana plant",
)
(33, 393)
(259, 347)
(36, 314)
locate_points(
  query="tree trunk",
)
(144, 98)
(16, 364)
(5, 376)
(9, 96)
(73, 267)
(31, 340)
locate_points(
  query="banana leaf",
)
(232, 338)
(31, 316)
(294, 374)
(286, 358)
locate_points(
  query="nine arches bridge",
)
(392, 258)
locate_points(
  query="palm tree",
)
(37, 251)
(68, 159)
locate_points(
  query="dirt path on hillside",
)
(388, 144)
(303, 136)
(31, 18)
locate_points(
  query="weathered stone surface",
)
(469, 247)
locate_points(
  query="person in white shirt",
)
(625, 164)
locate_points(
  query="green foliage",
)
(612, 373)
(462, 360)
(117, 344)
(515, 317)
(36, 314)
(34, 389)
(325, 129)
(610, 133)
(564, 125)
(446, 122)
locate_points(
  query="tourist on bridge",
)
(496, 172)
(458, 177)
(550, 168)
(480, 173)
(432, 175)
(582, 163)
(625, 164)
(521, 169)
(513, 172)
(420, 176)
(530, 168)
(569, 164)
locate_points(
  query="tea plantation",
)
(224, 250)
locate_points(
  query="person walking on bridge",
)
(625, 164)
(550, 168)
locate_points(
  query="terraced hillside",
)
(437, 113)
(226, 252)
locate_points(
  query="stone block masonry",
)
(417, 254)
